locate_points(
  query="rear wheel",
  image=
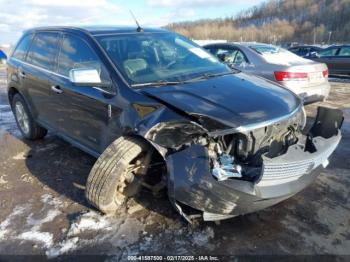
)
(25, 122)
(118, 173)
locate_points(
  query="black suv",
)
(158, 111)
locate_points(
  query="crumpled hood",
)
(234, 100)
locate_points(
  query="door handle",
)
(57, 89)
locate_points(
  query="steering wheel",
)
(187, 58)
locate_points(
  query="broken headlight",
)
(300, 118)
(175, 134)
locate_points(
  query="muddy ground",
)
(43, 210)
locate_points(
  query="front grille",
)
(287, 170)
(296, 162)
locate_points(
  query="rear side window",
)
(226, 55)
(22, 48)
(329, 52)
(43, 50)
(75, 53)
(344, 51)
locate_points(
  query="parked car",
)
(337, 59)
(3, 57)
(305, 51)
(304, 77)
(158, 111)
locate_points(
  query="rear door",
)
(37, 72)
(342, 61)
(82, 111)
(328, 56)
(16, 66)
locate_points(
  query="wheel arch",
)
(11, 92)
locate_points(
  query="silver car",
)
(306, 78)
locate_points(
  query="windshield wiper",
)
(157, 83)
(207, 76)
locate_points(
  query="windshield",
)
(159, 57)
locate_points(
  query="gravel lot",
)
(44, 212)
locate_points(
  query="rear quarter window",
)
(22, 47)
(43, 50)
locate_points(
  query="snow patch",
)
(62, 248)
(36, 223)
(44, 238)
(128, 233)
(201, 238)
(4, 226)
(30, 230)
(88, 221)
(121, 232)
(51, 200)
(20, 156)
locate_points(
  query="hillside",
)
(305, 21)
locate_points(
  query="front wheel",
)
(114, 177)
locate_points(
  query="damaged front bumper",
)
(192, 186)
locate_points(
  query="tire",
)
(110, 172)
(27, 125)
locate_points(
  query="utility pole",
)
(329, 36)
(314, 36)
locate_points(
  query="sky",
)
(19, 15)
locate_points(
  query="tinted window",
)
(22, 48)
(43, 50)
(345, 51)
(75, 53)
(226, 55)
(303, 51)
(328, 52)
(294, 50)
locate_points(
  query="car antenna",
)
(139, 28)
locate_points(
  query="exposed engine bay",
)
(239, 155)
(217, 175)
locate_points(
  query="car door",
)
(327, 56)
(36, 73)
(16, 66)
(83, 111)
(342, 60)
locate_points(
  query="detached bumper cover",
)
(192, 184)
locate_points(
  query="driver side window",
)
(75, 53)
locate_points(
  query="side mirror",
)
(85, 76)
